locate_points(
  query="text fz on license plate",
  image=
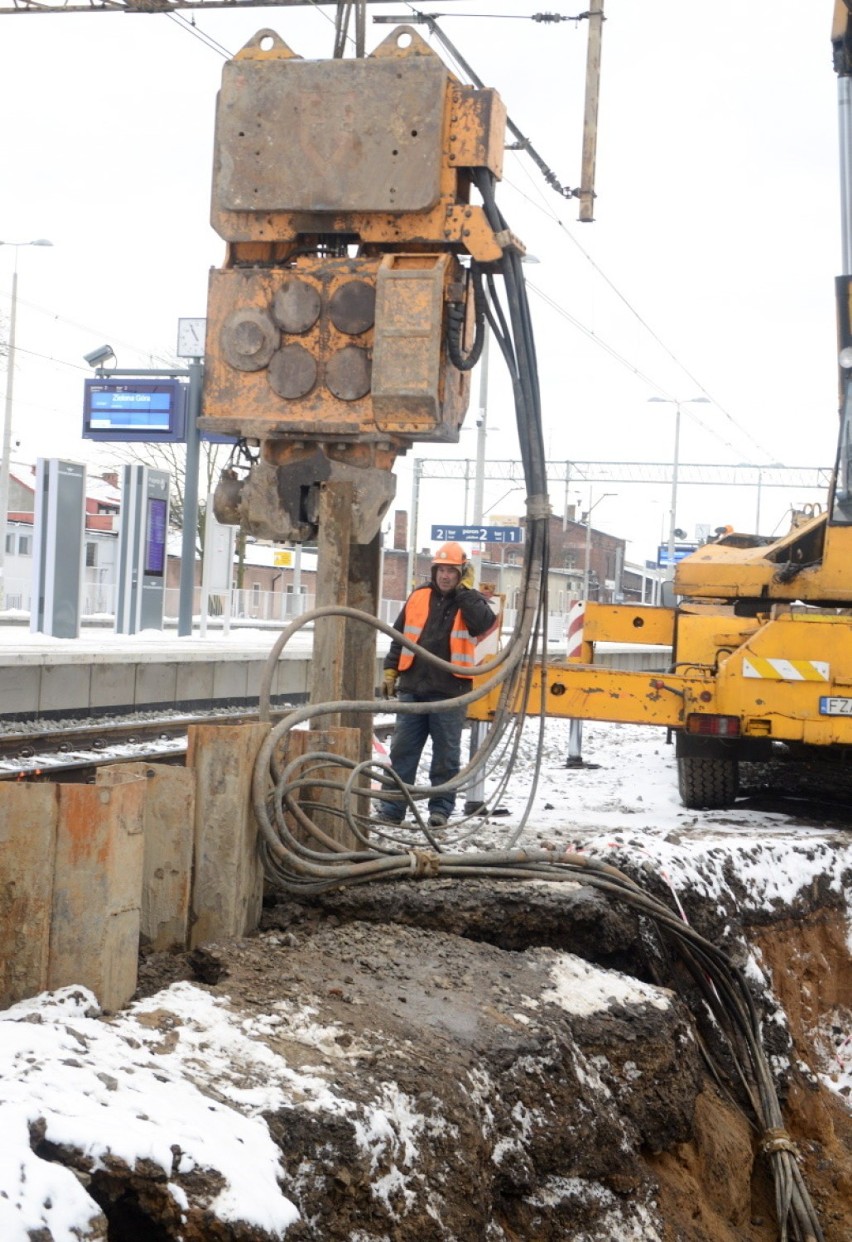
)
(834, 705)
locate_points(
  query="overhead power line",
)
(522, 144)
(155, 6)
(814, 478)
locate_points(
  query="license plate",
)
(833, 705)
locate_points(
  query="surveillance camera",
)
(99, 356)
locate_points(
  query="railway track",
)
(74, 753)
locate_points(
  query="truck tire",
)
(707, 783)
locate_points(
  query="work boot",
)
(382, 821)
(438, 820)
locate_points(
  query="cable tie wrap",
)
(538, 507)
(424, 862)
(777, 1140)
(507, 240)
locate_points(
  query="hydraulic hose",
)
(302, 858)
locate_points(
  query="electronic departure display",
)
(155, 536)
(141, 410)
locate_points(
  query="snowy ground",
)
(117, 1084)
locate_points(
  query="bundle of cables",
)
(302, 856)
(301, 859)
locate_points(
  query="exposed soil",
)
(534, 1121)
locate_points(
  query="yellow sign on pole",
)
(282, 558)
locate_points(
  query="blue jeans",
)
(409, 738)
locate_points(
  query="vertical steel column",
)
(844, 127)
(415, 516)
(190, 499)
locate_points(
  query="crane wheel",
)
(707, 783)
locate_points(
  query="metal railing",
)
(247, 607)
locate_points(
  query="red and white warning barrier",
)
(574, 630)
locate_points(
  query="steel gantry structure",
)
(569, 473)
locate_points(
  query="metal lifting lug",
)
(656, 684)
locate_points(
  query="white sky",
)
(717, 222)
(117, 1085)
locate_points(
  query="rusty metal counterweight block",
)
(379, 148)
(342, 188)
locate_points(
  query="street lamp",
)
(5, 459)
(588, 553)
(675, 462)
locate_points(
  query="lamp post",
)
(587, 560)
(5, 459)
(675, 463)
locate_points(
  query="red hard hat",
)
(450, 554)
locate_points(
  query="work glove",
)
(466, 580)
(391, 676)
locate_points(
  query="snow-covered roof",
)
(97, 488)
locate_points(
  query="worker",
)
(445, 616)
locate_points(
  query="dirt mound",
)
(484, 1081)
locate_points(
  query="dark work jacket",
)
(423, 678)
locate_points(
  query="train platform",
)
(106, 673)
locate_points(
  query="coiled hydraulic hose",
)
(302, 858)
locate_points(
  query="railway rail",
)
(73, 753)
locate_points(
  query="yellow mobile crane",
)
(761, 635)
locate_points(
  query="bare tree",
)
(172, 459)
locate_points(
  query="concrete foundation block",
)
(156, 683)
(230, 681)
(168, 850)
(97, 891)
(291, 677)
(61, 684)
(19, 689)
(228, 878)
(194, 682)
(28, 816)
(113, 685)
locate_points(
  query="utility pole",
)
(590, 114)
(6, 459)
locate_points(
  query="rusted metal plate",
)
(329, 136)
(167, 855)
(97, 894)
(227, 880)
(28, 815)
(478, 129)
(409, 341)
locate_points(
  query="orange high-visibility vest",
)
(462, 646)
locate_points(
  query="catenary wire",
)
(525, 145)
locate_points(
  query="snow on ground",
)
(625, 803)
(118, 1087)
(119, 1084)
